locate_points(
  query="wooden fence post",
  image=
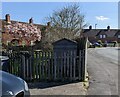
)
(82, 45)
(86, 47)
(23, 66)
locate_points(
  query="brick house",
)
(20, 33)
(107, 34)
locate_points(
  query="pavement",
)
(52, 88)
(103, 71)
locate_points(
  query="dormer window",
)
(118, 36)
(102, 36)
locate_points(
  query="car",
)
(13, 86)
(4, 63)
(105, 44)
(96, 44)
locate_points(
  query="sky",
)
(100, 13)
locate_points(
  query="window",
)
(118, 36)
(102, 36)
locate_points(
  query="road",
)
(103, 71)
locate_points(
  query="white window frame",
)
(101, 36)
(104, 36)
(118, 36)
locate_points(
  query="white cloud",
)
(101, 18)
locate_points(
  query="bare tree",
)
(65, 23)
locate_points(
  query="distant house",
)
(23, 33)
(117, 35)
(104, 35)
(20, 33)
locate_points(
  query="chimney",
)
(90, 27)
(48, 24)
(31, 21)
(7, 18)
(108, 27)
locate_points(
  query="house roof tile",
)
(96, 32)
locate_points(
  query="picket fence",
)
(47, 65)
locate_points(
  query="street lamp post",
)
(95, 26)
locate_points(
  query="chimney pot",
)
(48, 24)
(7, 18)
(90, 27)
(108, 27)
(31, 20)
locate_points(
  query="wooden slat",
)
(64, 64)
(39, 65)
(30, 68)
(10, 62)
(13, 63)
(45, 58)
(71, 63)
(79, 65)
(52, 66)
(83, 66)
(68, 63)
(42, 67)
(19, 64)
(58, 64)
(36, 63)
(55, 63)
(49, 66)
(32, 64)
(74, 63)
(27, 67)
(23, 66)
(61, 65)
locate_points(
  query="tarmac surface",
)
(103, 71)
